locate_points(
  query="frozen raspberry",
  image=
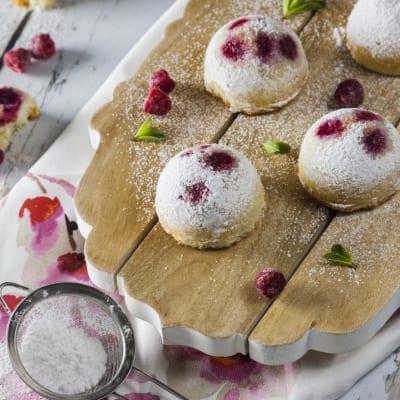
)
(330, 127)
(237, 23)
(195, 194)
(266, 46)
(42, 46)
(157, 102)
(10, 102)
(375, 142)
(18, 59)
(220, 161)
(364, 115)
(349, 93)
(234, 49)
(287, 47)
(162, 80)
(270, 282)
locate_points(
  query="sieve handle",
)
(9, 284)
(156, 382)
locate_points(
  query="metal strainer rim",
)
(72, 288)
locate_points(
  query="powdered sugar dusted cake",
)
(255, 64)
(350, 159)
(16, 108)
(209, 196)
(373, 35)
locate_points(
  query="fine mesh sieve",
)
(64, 314)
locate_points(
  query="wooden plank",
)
(320, 298)
(116, 194)
(331, 308)
(206, 298)
(91, 38)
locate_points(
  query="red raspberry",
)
(18, 59)
(270, 282)
(162, 80)
(157, 102)
(42, 46)
(349, 93)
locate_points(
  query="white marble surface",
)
(91, 38)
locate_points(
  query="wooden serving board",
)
(206, 299)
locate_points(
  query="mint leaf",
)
(292, 7)
(339, 256)
(272, 147)
(148, 132)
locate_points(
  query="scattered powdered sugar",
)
(374, 24)
(62, 358)
(339, 34)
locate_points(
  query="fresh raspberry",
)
(270, 282)
(330, 127)
(288, 47)
(195, 194)
(237, 23)
(157, 102)
(365, 115)
(17, 59)
(220, 161)
(349, 93)
(375, 142)
(162, 80)
(266, 47)
(10, 103)
(42, 46)
(234, 49)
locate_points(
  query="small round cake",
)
(209, 196)
(373, 35)
(16, 109)
(255, 65)
(350, 159)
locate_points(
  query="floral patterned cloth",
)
(42, 244)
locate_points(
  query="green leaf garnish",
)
(339, 256)
(292, 7)
(272, 147)
(148, 132)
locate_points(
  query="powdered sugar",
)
(339, 34)
(62, 358)
(374, 24)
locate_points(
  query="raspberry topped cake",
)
(350, 159)
(373, 35)
(16, 108)
(255, 64)
(209, 196)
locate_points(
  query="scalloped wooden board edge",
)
(236, 342)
